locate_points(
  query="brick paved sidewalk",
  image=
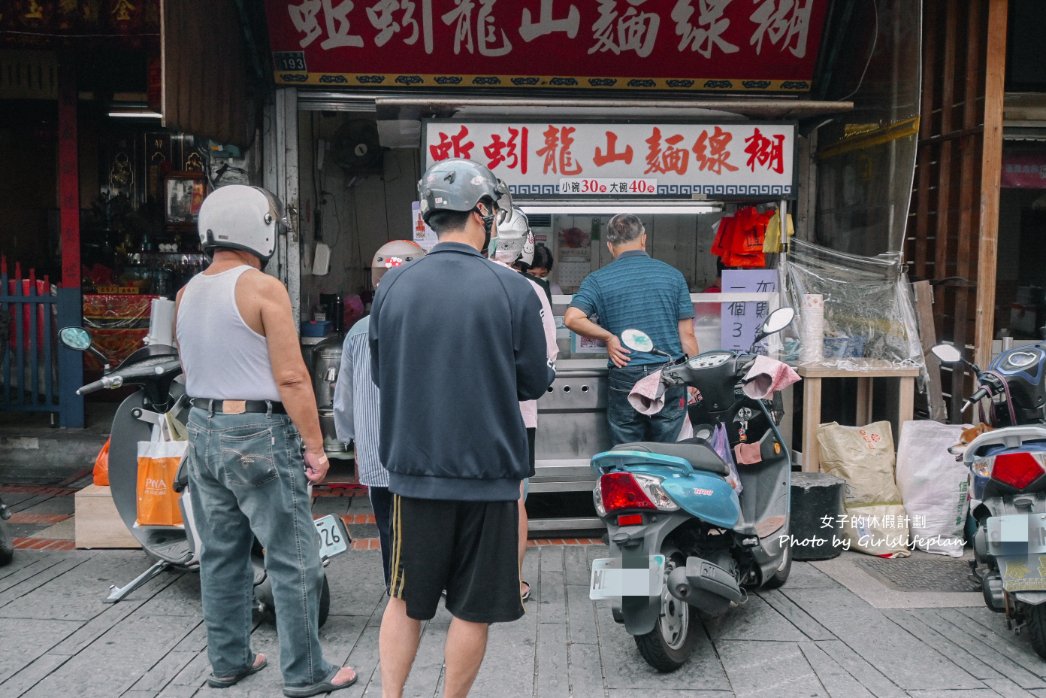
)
(814, 637)
(835, 629)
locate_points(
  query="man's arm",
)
(288, 369)
(577, 321)
(534, 369)
(372, 337)
(687, 337)
(343, 425)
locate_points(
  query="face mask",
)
(492, 246)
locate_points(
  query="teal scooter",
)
(683, 543)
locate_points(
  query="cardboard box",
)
(97, 523)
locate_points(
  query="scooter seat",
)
(698, 452)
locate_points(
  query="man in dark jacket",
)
(456, 343)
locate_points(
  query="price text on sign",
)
(608, 186)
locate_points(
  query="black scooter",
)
(156, 371)
(1008, 477)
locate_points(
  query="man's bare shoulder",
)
(260, 283)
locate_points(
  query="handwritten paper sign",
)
(741, 321)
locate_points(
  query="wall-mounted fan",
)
(356, 148)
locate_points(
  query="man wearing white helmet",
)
(456, 342)
(252, 409)
(357, 401)
(515, 243)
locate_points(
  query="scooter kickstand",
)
(118, 593)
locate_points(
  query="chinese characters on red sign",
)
(726, 39)
(547, 152)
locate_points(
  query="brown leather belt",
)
(237, 406)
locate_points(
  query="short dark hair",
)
(542, 257)
(446, 221)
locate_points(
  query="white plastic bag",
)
(933, 486)
(721, 445)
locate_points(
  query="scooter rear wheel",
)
(669, 645)
(781, 575)
(7, 548)
(263, 594)
(1037, 628)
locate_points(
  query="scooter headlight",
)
(651, 485)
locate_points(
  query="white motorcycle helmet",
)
(240, 217)
(515, 241)
(394, 253)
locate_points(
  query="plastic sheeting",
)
(868, 313)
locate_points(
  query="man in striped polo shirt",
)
(635, 291)
(357, 402)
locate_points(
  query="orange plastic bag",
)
(158, 463)
(101, 465)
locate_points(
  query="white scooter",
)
(156, 371)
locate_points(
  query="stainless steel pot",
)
(326, 360)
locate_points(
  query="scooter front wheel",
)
(669, 645)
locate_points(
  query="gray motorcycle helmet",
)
(458, 185)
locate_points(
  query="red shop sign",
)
(1025, 169)
(677, 45)
(553, 159)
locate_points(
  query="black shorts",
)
(468, 548)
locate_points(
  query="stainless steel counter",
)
(572, 427)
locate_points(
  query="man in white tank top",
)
(253, 412)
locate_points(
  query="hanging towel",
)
(748, 454)
(768, 376)
(648, 394)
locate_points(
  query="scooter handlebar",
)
(130, 374)
(977, 396)
(105, 382)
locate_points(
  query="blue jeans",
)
(627, 425)
(247, 479)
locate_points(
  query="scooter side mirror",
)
(947, 354)
(76, 338)
(79, 339)
(774, 323)
(637, 340)
(777, 321)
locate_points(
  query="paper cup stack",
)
(813, 328)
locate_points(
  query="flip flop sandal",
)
(317, 688)
(226, 681)
(526, 594)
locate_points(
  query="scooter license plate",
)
(610, 581)
(334, 539)
(1023, 572)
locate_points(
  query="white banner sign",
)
(555, 159)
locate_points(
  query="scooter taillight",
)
(620, 491)
(1017, 469)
